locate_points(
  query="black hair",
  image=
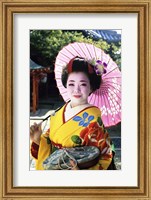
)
(78, 64)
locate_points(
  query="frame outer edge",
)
(1, 100)
(149, 100)
(4, 71)
(8, 171)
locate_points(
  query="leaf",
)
(81, 123)
(90, 118)
(85, 115)
(99, 120)
(44, 40)
(77, 118)
(86, 124)
(48, 140)
(76, 139)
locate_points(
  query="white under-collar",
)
(70, 112)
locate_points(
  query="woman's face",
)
(78, 88)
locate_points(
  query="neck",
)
(77, 104)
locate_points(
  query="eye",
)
(70, 84)
(84, 84)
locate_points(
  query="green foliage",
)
(48, 140)
(76, 139)
(115, 52)
(99, 120)
(45, 44)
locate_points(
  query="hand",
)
(35, 133)
(74, 165)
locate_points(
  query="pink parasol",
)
(108, 96)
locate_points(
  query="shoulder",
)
(94, 110)
(60, 109)
(58, 112)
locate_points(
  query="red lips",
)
(77, 96)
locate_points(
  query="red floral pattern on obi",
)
(96, 135)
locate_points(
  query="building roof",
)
(37, 69)
(34, 65)
(107, 35)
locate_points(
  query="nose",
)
(76, 89)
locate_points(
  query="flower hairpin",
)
(99, 66)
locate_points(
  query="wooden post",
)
(36, 76)
(37, 91)
(34, 98)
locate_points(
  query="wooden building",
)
(38, 74)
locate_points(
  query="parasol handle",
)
(44, 119)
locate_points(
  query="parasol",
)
(108, 96)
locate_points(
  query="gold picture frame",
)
(7, 9)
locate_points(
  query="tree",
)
(45, 44)
(115, 52)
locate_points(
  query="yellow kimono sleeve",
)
(43, 153)
(102, 164)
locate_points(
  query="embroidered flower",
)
(95, 135)
(84, 120)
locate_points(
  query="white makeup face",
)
(78, 88)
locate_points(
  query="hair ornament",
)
(99, 66)
(69, 66)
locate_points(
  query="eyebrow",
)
(80, 81)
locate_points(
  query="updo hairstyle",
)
(78, 64)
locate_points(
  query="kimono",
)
(81, 127)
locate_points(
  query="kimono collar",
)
(70, 112)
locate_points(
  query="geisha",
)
(77, 123)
